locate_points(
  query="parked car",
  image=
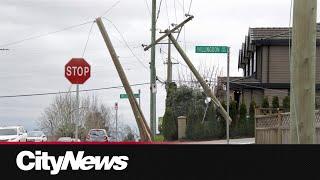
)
(97, 135)
(65, 139)
(36, 136)
(68, 139)
(13, 134)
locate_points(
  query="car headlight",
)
(12, 139)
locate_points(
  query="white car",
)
(36, 136)
(65, 139)
(13, 134)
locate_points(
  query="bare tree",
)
(209, 73)
(58, 119)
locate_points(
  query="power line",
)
(167, 12)
(124, 40)
(111, 8)
(122, 37)
(148, 7)
(190, 6)
(175, 11)
(65, 92)
(85, 47)
(46, 34)
(159, 11)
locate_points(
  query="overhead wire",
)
(85, 47)
(43, 35)
(108, 10)
(158, 14)
(167, 13)
(126, 43)
(69, 91)
(123, 39)
(190, 6)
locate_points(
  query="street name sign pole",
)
(220, 50)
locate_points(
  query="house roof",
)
(273, 33)
(265, 36)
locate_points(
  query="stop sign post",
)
(77, 71)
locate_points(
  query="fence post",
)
(255, 126)
(279, 133)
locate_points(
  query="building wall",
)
(281, 93)
(278, 65)
(251, 95)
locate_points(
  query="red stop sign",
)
(77, 71)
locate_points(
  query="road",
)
(232, 141)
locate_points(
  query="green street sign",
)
(125, 96)
(212, 49)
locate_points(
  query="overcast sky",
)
(37, 65)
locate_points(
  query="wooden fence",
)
(275, 128)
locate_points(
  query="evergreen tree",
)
(242, 125)
(169, 125)
(286, 103)
(265, 103)
(275, 102)
(251, 123)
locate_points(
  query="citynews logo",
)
(42, 161)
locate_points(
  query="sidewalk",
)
(232, 141)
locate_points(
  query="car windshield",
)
(97, 133)
(10, 131)
(35, 134)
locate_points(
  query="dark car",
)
(97, 135)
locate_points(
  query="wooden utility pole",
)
(153, 86)
(204, 85)
(145, 132)
(169, 63)
(303, 67)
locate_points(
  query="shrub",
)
(286, 103)
(265, 103)
(169, 125)
(251, 122)
(275, 102)
(242, 125)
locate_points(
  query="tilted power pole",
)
(144, 129)
(206, 88)
(204, 85)
(153, 86)
(303, 67)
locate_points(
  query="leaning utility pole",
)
(145, 132)
(303, 67)
(204, 85)
(153, 86)
(206, 88)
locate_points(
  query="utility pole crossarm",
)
(169, 32)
